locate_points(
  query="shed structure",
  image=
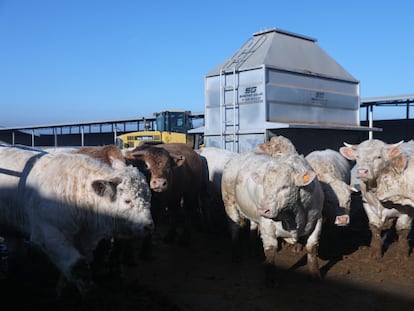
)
(277, 80)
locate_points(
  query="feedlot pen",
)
(202, 277)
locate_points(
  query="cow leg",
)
(237, 228)
(377, 241)
(254, 243)
(175, 217)
(101, 258)
(236, 224)
(64, 256)
(80, 281)
(270, 248)
(212, 210)
(191, 218)
(403, 228)
(312, 245)
(403, 246)
(82, 275)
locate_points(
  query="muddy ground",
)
(202, 277)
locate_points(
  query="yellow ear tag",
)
(306, 178)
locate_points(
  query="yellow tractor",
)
(171, 126)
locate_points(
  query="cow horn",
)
(353, 147)
(397, 144)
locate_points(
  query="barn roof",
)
(286, 51)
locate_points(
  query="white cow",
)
(282, 195)
(216, 159)
(66, 203)
(371, 157)
(276, 146)
(334, 173)
(396, 184)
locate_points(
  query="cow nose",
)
(265, 212)
(362, 172)
(159, 184)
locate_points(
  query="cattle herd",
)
(78, 206)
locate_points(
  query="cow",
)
(281, 195)
(175, 175)
(65, 203)
(395, 184)
(334, 174)
(106, 154)
(214, 160)
(111, 252)
(371, 157)
(276, 146)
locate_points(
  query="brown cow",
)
(106, 154)
(175, 174)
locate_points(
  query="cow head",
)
(279, 189)
(370, 156)
(157, 164)
(128, 198)
(390, 180)
(277, 146)
(337, 203)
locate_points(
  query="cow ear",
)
(393, 150)
(179, 159)
(306, 178)
(348, 152)
(400, 162)
(106, 188)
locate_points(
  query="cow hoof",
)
(375, 254)
(315, 276)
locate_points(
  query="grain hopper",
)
(277, 81)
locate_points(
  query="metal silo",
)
(277, 79)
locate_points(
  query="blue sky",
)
(90, 60)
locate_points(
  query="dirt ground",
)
(202, 277)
